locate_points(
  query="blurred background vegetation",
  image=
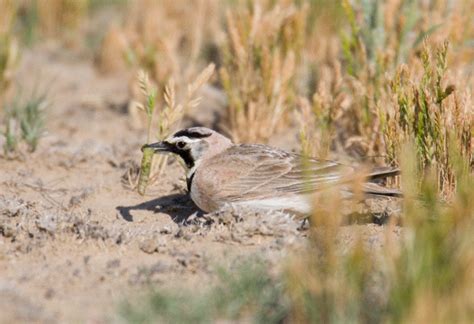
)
(391, 80)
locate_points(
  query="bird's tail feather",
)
(381, 173)
(375, 189)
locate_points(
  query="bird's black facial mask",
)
(189, 153)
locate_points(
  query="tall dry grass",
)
(393, 63)
(432, 112)
(167, 39)
(260, 55)
(164, 38)
(392, 88)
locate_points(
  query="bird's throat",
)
(190, 175)
(189, 181)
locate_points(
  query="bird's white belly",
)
(295, 204)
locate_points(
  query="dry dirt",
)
(75, 241)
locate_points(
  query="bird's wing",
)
(259, 171)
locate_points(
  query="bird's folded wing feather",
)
(266, 173)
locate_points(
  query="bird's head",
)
(193, 144)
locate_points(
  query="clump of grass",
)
(379, 36)
(429, 112)
(331, 282)
(25, 121)
(168, 118)
(433, 273)
(318, 116)
(428, 275)
(316, 124)
(259, 66)
(375, 43)
(32, 120)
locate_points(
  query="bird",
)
(259, 176)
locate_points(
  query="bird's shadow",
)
(178, 206)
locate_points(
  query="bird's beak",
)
(158, 147)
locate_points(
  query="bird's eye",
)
(180, 144)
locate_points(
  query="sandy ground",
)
(75, 241)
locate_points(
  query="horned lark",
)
(254, 175)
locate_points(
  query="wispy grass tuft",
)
(32, 120)
(169, 116)
(25, 121)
